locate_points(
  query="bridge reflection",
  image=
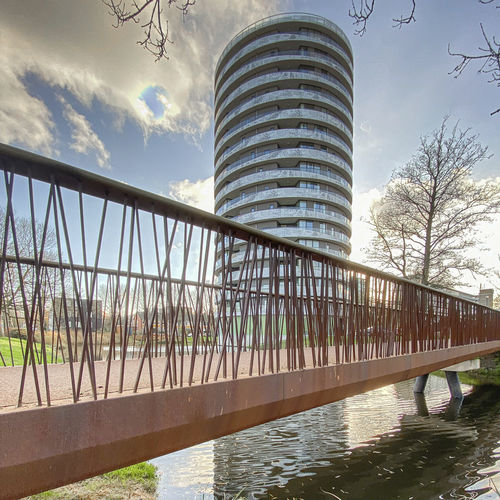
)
(291, 457)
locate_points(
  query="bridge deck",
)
(61, 388)
(66, 443)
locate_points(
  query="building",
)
(485, 297)
(283, 131)
(67, 313)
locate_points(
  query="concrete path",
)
(60, 380)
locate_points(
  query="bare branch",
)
(405, 20)
(488, 57)
(149, 14)
(361, 15)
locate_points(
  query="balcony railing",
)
(282, 131)
(282, 192)
(297, 113)
(278, 174)
(276, 95)
(293, 16)
(277, 153)
(281, 78)
(312, 56)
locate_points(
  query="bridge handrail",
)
(185, 282)
(27, 164)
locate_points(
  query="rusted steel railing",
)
(109, 289)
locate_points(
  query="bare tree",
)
(487, 56)
(496, 302)
(427, 219)
(150, 15)
(24, 239)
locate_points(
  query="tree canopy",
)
(427, 220)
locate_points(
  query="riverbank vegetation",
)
(482, 376)
(136, 481)
(12, 350)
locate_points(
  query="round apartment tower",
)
(283, 130)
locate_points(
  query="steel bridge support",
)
(451, 378)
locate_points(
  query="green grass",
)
(141, 472)
(475, 377)
(17, 352)
(483, 376)
(136, 481)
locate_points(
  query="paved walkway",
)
(60, 385)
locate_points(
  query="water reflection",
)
(187, 473)
(383, 444)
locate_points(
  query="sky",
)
(74, 88)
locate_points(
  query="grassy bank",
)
(483, 376)
(136, 481)
(17, 350)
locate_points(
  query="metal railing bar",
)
(43, 169)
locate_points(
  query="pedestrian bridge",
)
(129, 328)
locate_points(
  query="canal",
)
(385, 444)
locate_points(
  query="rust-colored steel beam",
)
(107, 290)
(77, 441)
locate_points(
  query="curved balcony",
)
(287, 57)
(284, 77)
(291, 214)
(293, 233)
(261, 280)
(283, 194)
(328, 139)
(238, 257)
(290, 117)
(287, 157)
(287, 173)
(237, 260)
(290, 96)
(266, 78)
(284, 136)
(286, 39)
(294, 18)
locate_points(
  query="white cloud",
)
(85, 140)
(199, 194)
(365, 127)
(24, 119)
(73, 46)
(361, 232)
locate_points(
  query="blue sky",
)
(74, 88)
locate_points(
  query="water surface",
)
(384, 444)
